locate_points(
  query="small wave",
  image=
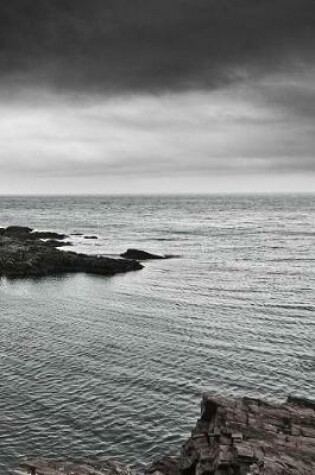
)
(307, 308)
(292, 259)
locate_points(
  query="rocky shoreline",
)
(232, 437)
(28, 253)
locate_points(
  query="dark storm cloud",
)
(150, 45)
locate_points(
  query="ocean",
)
(115, 367)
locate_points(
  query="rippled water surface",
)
(115, 366)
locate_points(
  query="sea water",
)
(116, 366)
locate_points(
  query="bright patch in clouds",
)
(133, 139)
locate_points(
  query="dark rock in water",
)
(141, 255)
(90, 237)
(17, 231)
(24, 254)
(47, 235)
(45, 467)
(247, 437)
(23, 232)
(55, 243)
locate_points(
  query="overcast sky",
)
(155, 96)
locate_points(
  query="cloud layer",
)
(151, 45)
(122, 94)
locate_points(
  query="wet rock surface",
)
(247, 437)
(28, 253)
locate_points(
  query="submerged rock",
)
(24, 253)
(141, 255)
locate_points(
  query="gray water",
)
(116, 366)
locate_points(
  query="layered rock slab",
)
(232, 437)
(247, 437)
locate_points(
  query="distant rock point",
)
(28, 253)
(139, 255)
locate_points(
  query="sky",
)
(157, 96)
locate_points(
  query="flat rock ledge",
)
(247, 437)
(28, 253)
(44, 467)
(232, 437)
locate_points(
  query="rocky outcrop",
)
(165, 466)
(232, 437)
(141, 255)
(247, 437)
(55, 243)
(28, 253)
(23, 232)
